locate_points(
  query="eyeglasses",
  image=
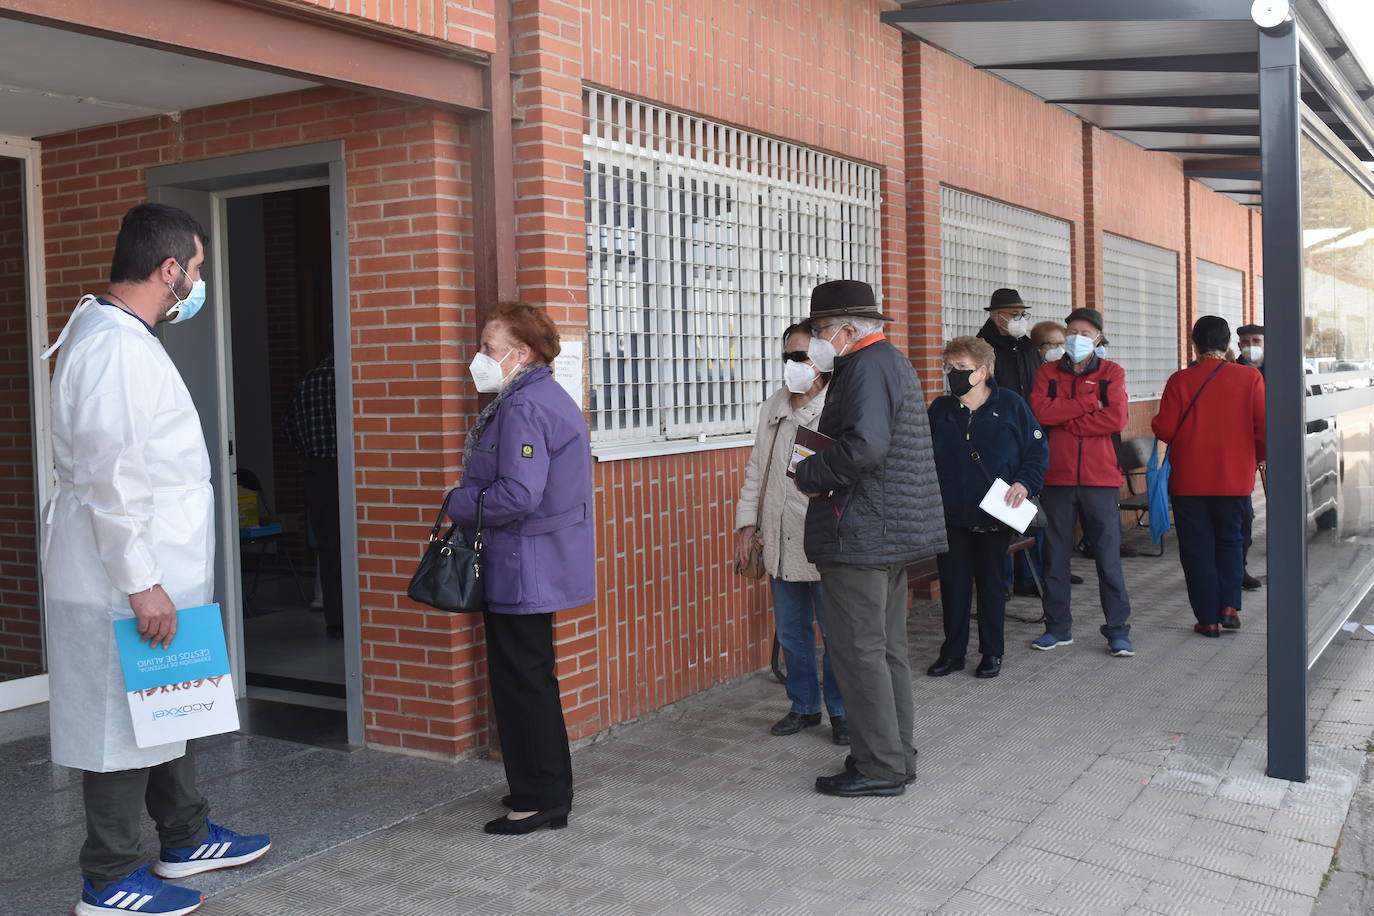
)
(795, 356)
(1014, 316)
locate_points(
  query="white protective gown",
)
(132, 508)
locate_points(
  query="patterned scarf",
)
(475, 434)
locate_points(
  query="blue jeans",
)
(797, 608)
(1211, 547)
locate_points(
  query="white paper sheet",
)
(994, 504)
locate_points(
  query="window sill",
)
(623, 452)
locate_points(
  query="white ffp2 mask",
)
(799, 377)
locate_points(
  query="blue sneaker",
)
(1120, 647)
(223, 848)
(138, 893)
(1048, 640)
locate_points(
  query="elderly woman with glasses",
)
(981, 432)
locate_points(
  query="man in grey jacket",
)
(875, 507)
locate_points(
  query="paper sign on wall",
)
(567, 369)
(183, 691)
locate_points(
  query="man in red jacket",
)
(1081, 401)
(1212, 414)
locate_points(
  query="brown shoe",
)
(1230, 618)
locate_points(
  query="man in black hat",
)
(875, 508)
(1251, 340)
(1008, 331)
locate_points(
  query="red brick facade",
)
(672, 619)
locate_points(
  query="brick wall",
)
(461, 22)
(20, 626)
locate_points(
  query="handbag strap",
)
(768, 469)
(448, 535)
(1189, 409)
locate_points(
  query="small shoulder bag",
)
(449, 577)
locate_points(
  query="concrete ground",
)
(1075, 783)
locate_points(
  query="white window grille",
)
(1220, 292)
(1140, 301)
(703, 244)
(986, 245)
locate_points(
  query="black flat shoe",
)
(508, 803)
(943, 666)
(990, 666)
(852, 768)
(794, 722)
(553, 818)
(839, 731)
(852, 784)
(1075, 579)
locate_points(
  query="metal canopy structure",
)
(1233, 97)
(1174, 76)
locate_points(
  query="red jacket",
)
(1080, 413)
(1221, 441)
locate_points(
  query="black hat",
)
(1250, 329)
(852, 298)
(1004, 298)
(1086, 314)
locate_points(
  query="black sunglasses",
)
(795, 356)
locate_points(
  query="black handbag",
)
(1040, 521)
(449, 577)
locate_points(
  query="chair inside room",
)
(1133, 455)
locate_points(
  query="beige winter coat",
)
(782, 518)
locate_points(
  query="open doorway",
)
(280, 314)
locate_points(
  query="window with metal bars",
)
(703, 244)
(986, 245)
(1220, 291)
(1140, 303)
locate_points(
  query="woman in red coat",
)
(1212, 414)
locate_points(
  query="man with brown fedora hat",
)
(875, 508)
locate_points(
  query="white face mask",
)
(799, 377)
(1019, 327)
(1253, 355)
(822, 353)
(1054, 354)
(487, 373)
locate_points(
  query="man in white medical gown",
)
(129, 533)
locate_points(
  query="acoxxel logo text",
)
(181, 712)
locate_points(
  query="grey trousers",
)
(1097, 506)
(115, 803)
(865, 614)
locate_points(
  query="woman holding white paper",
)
(984, 436)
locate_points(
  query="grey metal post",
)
(1286, 593)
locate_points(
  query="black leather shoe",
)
(1075, 579)
(794, 722)
(990, 666)
(1249, 582)
(839, 731)
(553, 818)
(852, 784)
(943, 666)
(852, 768)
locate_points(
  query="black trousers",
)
(974, 560)
(1211, 548)
(115, 803)
(1247, 532)
(529, 713)
(322, 502)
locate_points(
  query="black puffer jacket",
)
(886, 504)
(1018, 359)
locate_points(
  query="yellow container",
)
(248, 508)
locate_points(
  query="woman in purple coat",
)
(530, 451)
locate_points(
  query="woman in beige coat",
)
(770, 504)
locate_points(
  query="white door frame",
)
(29, 690)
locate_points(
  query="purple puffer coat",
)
(540, 543)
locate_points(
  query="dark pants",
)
(1211, 548)
(529, 713)
(865, 612)
(1097, 507)
(974, 560)
(1247, 530)
(322, 502)
(115, 803)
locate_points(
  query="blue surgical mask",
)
(185, 309)
(1079, 347)
(1101, 351)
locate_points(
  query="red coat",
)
(1216, 450)
(1080, 413)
